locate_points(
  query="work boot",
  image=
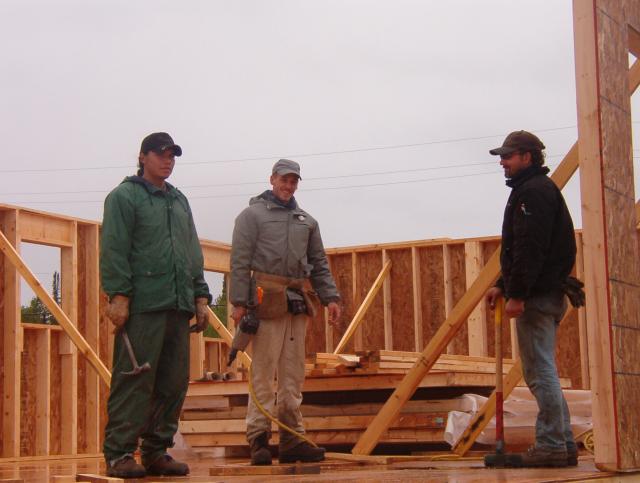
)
(572, 456)
(303, 452)
(125, 467)
(260, 454)
(544, 457)
(167, 466)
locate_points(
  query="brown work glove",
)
(118, 310)
(202, 304)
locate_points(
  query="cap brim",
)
(284, 171)
(502, 150)
(177, 150)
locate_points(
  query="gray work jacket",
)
(273, 239)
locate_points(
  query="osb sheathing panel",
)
(613, 59)
(369, 265)
(627, 396)
(402, 300)
(28, 392)
(622, 241)
(460, 342)
(627, 341)
(343, 276)
(432, 291)
(625, 299)
(56, 386)
(568, 350)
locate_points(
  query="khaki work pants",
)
(278, 347)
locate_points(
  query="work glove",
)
(202, 304)
(572, 288)
(118, 310)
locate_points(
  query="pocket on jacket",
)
(274, 303)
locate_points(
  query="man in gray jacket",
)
(279, 244)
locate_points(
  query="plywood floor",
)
(331, 471)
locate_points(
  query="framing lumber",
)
(477, 321)
(12, 335)
(448, 330)
(227, 336)
(386, 301)
(355, 296)
(417, 300)
(362, 310)
(14, 258)
(43, 391)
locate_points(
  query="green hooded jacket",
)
(149, 248)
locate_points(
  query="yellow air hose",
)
(273, 419)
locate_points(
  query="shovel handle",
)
(499, 396)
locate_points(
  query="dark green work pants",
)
(148, 405)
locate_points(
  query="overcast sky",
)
(389, 106)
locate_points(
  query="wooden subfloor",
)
(330, 471)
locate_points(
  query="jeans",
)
(537, 327)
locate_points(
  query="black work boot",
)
(535, 457)
(303, 452)
(260, 454)
(167, 466)
(125, 467)
(572, 455)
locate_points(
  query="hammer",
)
(132, 357)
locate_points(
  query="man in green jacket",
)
(279, 244)
(151, 267)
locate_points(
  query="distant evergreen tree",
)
(219, 308)
(36, 312)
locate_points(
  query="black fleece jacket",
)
(538, 241)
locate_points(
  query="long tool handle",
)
(499, 398)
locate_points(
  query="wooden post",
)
(12, 342)
(358, 337)
(417, 300)
(43, 392)
(67, 350)
(386, 303)
(88, 244)
(582, 321)
(362, 310)
(196, 354)
(448, 287)
(603, 33)
(477, 322)
(328, 328)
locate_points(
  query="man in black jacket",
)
(537, 255)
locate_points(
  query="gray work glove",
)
(118, 310)
(202, 304)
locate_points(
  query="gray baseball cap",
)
(286, 166)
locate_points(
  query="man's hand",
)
(514, 307)
(334, 314)
(118, 310)
(493, 294)
(237, 313)
(202, 304)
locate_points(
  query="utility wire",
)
(300, 155)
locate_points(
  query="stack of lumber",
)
(395, 362)
(341, 396)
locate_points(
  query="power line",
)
(303, 190)
(299, 155)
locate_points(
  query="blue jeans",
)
(537, 327)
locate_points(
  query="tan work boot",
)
(125, 467)
(260, 454)
(303, 452)
(535, 457)
(167, 466)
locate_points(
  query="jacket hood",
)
(267, 197)
(525, 174)
(149, 187)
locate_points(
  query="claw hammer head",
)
(137, 369)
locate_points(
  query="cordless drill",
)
(249, 323)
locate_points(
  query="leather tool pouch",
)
(274, 301)
(312, 301)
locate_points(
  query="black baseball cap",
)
(158, 142)
(519, 141)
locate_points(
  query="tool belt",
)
(274, 299)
